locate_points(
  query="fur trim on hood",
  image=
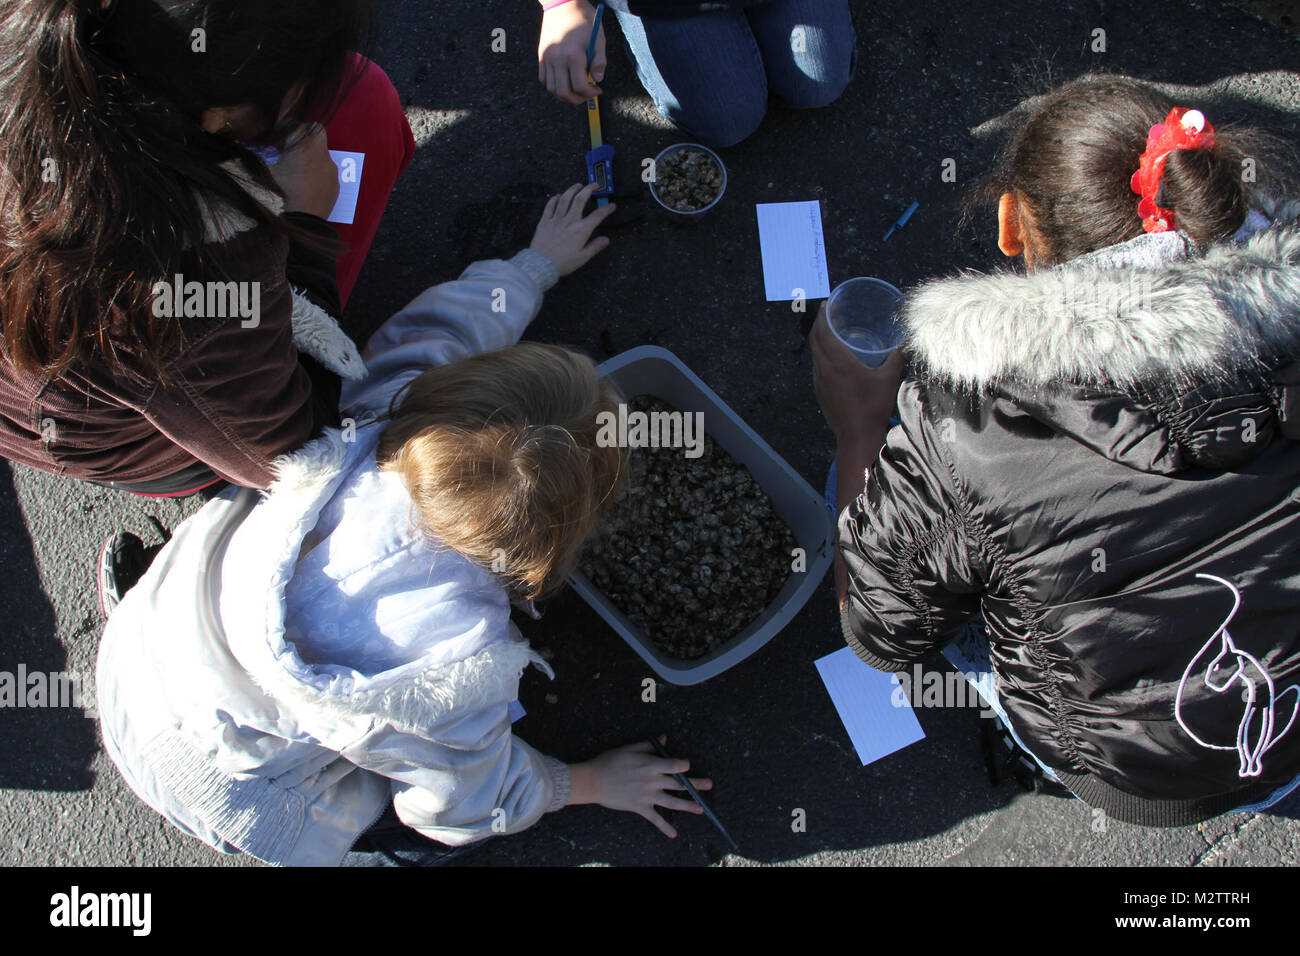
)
(222, 223)
(318, 334)
(1149, 312)
(315, 331)
(272, 535)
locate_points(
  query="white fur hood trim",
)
(221, 222)
(268, 547)
(417, 703)
(317, 333)
(1195, 319)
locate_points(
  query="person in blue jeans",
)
(709, 67)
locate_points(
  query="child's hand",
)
(634, 779)
(853, 396)
(562, 51)
(564, 230)
(307, 175)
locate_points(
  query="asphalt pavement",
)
(932, 80)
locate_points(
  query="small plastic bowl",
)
(682, 215)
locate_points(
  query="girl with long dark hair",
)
(168, 300)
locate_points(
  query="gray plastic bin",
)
(649, 370)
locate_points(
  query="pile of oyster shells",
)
(692, 551)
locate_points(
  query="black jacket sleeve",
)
(913, 581)
(313, 271)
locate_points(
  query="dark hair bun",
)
(1070, 163)
(1204, 189)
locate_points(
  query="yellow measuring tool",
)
(600, 158)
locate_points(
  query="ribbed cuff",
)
(1128, 808)
(560, 778)
(879, 663)
(538, 266)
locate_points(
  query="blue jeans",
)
(711, 73)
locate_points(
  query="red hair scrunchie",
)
(1183, 128)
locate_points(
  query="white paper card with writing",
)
(349, 164)
(877, 715)
(793, 250)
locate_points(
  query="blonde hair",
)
(500, 457)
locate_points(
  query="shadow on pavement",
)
(41, 747)
(493, 143)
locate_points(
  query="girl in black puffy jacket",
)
(1101, 455)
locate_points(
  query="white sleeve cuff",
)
(538, 266)
(560, 778)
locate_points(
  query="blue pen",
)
(595, 29)
(902, 220)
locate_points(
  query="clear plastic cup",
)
(863, 314)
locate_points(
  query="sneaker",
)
(122, 562)
(1003, 754)
(389, 842)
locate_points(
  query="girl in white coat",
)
(295, 665)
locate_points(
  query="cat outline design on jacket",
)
(1252, 676)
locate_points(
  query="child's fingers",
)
(560, 77)
(586, 255)
(598, 215)
(671, 765)
(677, 803)
(660, 822)
(580, 201)
(820, 326)
(550, 207)
(565, 205)
(699, 783)
(587, 225)
(826, 345)
(578, 81)
(598, 61)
